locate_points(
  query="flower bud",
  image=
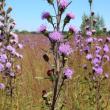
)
(92, 13)
(90, 1)
(46, 58)
(50, 1)
(46, 15)
(104, 29)
(42, 29)
(93, 31)
(0, 4)
(68, 17)
(9, 10)
(62, 5)
(3, 12)
(87, 20)
(94, 21)
(50, 72)
(72, 29)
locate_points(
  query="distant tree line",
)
(99, 26)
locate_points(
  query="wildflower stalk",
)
(8, 49)
(58, 46)
(91, 18)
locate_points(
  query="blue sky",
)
(27, 13)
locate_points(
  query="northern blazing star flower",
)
(1, 37)
(98, 49)
(1, 67)
(100, 40)
(96, 61)
(3, 58)
(20, 46)
(98, 70)
(89, 33)
(8, 65)
(106, 57)
(68, 73)
(72, 29)
(10, 48)
(89, 40)
(2, 86)
(14, 38)
(65, 49)
(106, 48)
(98, 56)
(89, 56)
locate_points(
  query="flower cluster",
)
(9, 45)
(96, 50)
(59, 47)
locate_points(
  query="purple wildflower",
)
(72, 29)
(20, 46)
(106, 48)
(42, 28)
(3, 58)
(100, 40)
(45, 15)
(106, 75)
(98, 70)
(1, 67)
(89, 40)
(14, 37)
(86, 49)
(89, 33)
(106, 57)
(2, 86)
(68, 73)
(56, 36)
(12, 74)
(93, 31)
(98, 49)
(8, 65)
(65, 49)
(63, 4)
(10, 48)
(98, 56)
(89, 56)
(1, 37)
(70, 16)
(95, 61)
(108, 39)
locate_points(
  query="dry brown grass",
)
(29, 89)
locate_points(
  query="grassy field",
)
(28, 91)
